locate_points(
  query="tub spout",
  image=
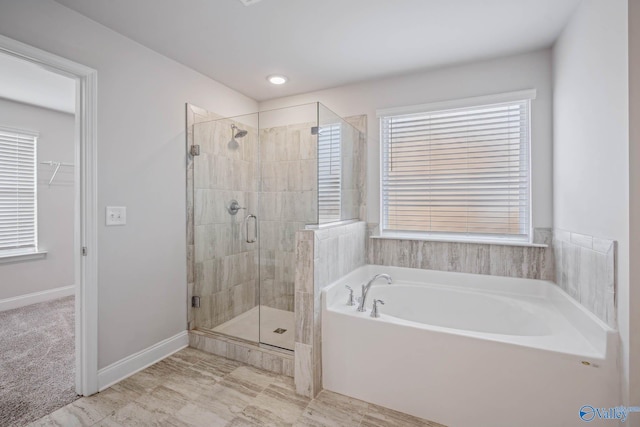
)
(365, 289)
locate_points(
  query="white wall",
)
(634, 191)
(55, 202)
(591, 136)
(141, 165)
(531, 70)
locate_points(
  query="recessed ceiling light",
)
(277, 79)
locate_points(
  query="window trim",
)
(34, 252)
(9, 256)
(522, 95)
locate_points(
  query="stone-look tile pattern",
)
(354, 199)
(193, 388)
(245, 352)
(322, 256)
(585, 269)
(288, 201)
(224, 271)
(340, 250)
(543, 236)
(530, 262)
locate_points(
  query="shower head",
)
(237, 132)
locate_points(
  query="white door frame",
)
(86, 209)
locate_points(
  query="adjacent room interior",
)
(37, 234)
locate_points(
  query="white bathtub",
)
(468, 350)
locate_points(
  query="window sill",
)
(9, 257)
(326, 225)
(453, 240)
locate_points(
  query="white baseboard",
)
(128, 366)
(36, 297)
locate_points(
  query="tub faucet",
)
(365, 289)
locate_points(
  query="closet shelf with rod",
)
(57, 165)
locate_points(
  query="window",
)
(458, 172)
(18, 203)
(329, 173)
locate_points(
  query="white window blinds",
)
(18, 221)
(462, 172)
(329, 173)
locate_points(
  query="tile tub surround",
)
(529, 262)
(193, 388)
(585, 269)
(322, 256)
(581, 265)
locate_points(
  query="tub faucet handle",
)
(350, 300)
(374, 311)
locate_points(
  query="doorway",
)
(79, 173)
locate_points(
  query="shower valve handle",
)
(234, 207)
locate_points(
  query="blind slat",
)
(18, 220)
(329, 173)
(462, 171)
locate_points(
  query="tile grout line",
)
(364, 413)
(241, 412)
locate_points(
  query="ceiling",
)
(25, 82)
(327, 43)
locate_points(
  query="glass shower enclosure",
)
(257, 179)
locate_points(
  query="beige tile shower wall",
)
(355, 187)
(225, 266)
(340, 250)
(289, 192)
(322, 256)
(499, 260)
(585, 269)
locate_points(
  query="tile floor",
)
(193, 388)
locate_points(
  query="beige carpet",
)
(37, 361)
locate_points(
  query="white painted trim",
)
(8, 129)
(136, 362)
(460, 103)
(36, 297)
(86, 189)
(86, 179)
(7, 258)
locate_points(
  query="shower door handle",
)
(255, 228)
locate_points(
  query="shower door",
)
(254, 187)
(226, 276)
(287, 202)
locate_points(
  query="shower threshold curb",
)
(269, 359)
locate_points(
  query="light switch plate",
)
(116, 215)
